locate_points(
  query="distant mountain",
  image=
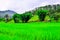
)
(9, 12)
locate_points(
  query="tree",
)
(58, 9)
(6, 18)
(54, 7)
(42, 14)
(26, 16)
(16, 18)
(0, 19)
(56, 18)
(51, 13)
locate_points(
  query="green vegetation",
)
(30, 31)
(25, 17)
(40, 24)
(16, 18)
(35, 18)
(42, 14)
(6, 18)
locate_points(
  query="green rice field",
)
(30, 31)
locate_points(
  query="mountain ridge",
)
(9, 12)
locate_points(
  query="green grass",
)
(30, 31)
(34, 18)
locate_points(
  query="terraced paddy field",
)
(30, 31)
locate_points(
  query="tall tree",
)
(42, 14)
(26, 16)
(16, 18)
(6, 18)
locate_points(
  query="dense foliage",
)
(42, 14)
(6, 18)
(16, 18)
(52, 11)
(23, 17)
(26, 16)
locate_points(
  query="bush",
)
(47, 19)
(34, 19)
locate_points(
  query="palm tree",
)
(49, 7)
(55, 7)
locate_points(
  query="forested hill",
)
(50, 8)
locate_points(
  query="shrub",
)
(34, 19)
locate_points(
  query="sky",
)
(21, 6)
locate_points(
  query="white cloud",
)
(56, 3)
(24, 5)
(4, 4)
(44, 3)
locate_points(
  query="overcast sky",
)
(21, 6)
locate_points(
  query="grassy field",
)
(29, 31)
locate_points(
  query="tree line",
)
(25, 17)
(54, 15)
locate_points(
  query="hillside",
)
(53, 12)
(47, 7)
